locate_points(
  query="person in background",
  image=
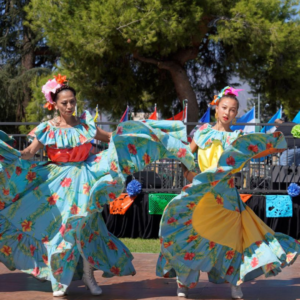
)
(291, 156)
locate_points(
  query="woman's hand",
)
(25, 154)
(102, 135)
(189, 175)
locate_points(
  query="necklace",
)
(57, 122)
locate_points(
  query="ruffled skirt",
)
(208, 228)
(50, 213)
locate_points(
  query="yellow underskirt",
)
(209, 157)
(237, 230)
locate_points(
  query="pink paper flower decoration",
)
(226, 91)
(232, 91)
(50, 87)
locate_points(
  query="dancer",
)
(50, 212)
(208, 228)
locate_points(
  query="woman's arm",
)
(189, 175)
(103, 135)
(29, 152)
(186, 173)
(193, 146)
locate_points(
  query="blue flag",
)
(297, 118)
(206, 117)
(125, 116)
(248, 117)
(271, 129)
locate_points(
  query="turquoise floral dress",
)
(208, 228)
(50, 212)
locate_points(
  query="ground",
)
(145, 285)
(142, 245)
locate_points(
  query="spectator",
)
(292, 154)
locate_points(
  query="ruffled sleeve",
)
(40, 132)
(62, 138)
(206, 135)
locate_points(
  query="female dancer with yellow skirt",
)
(207, 227)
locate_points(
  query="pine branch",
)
(165, 65)
(145, 59)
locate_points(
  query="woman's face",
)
(65, 103)
(227, 110)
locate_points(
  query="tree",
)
(128, 51)
(23, 54)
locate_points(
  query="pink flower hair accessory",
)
(51, 87)
(226, 91)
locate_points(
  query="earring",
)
(216, 115)
(233, 121)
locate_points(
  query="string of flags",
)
(248, 117)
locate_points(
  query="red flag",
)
(153, 116)
(125, 116)
(180, 116)
(177, 117)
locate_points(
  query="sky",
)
(243, 97)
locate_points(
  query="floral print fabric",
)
(50, 213)
(61, 138)
(184, 252)
(206, 135)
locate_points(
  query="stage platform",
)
(145, 285)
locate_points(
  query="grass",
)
(141, 245)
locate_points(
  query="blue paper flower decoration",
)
(133, 188)
(293, 190)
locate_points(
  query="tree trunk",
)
(184, 90)
(181, 81)
(28, 62)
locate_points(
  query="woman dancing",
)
(208, 228)
(50, 212)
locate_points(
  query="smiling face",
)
(227, 110)
(65, 102)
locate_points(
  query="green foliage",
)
(8, 103)
(35, 112)
(23, 55)
(98, 40)
(265, 33)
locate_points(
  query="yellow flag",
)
(75, 111)
(96, 115)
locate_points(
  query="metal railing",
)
(263, 176)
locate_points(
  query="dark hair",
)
(62, 88)
(231, 97)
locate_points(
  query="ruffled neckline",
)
(70, 137)
(73, 127)
(206, 135)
